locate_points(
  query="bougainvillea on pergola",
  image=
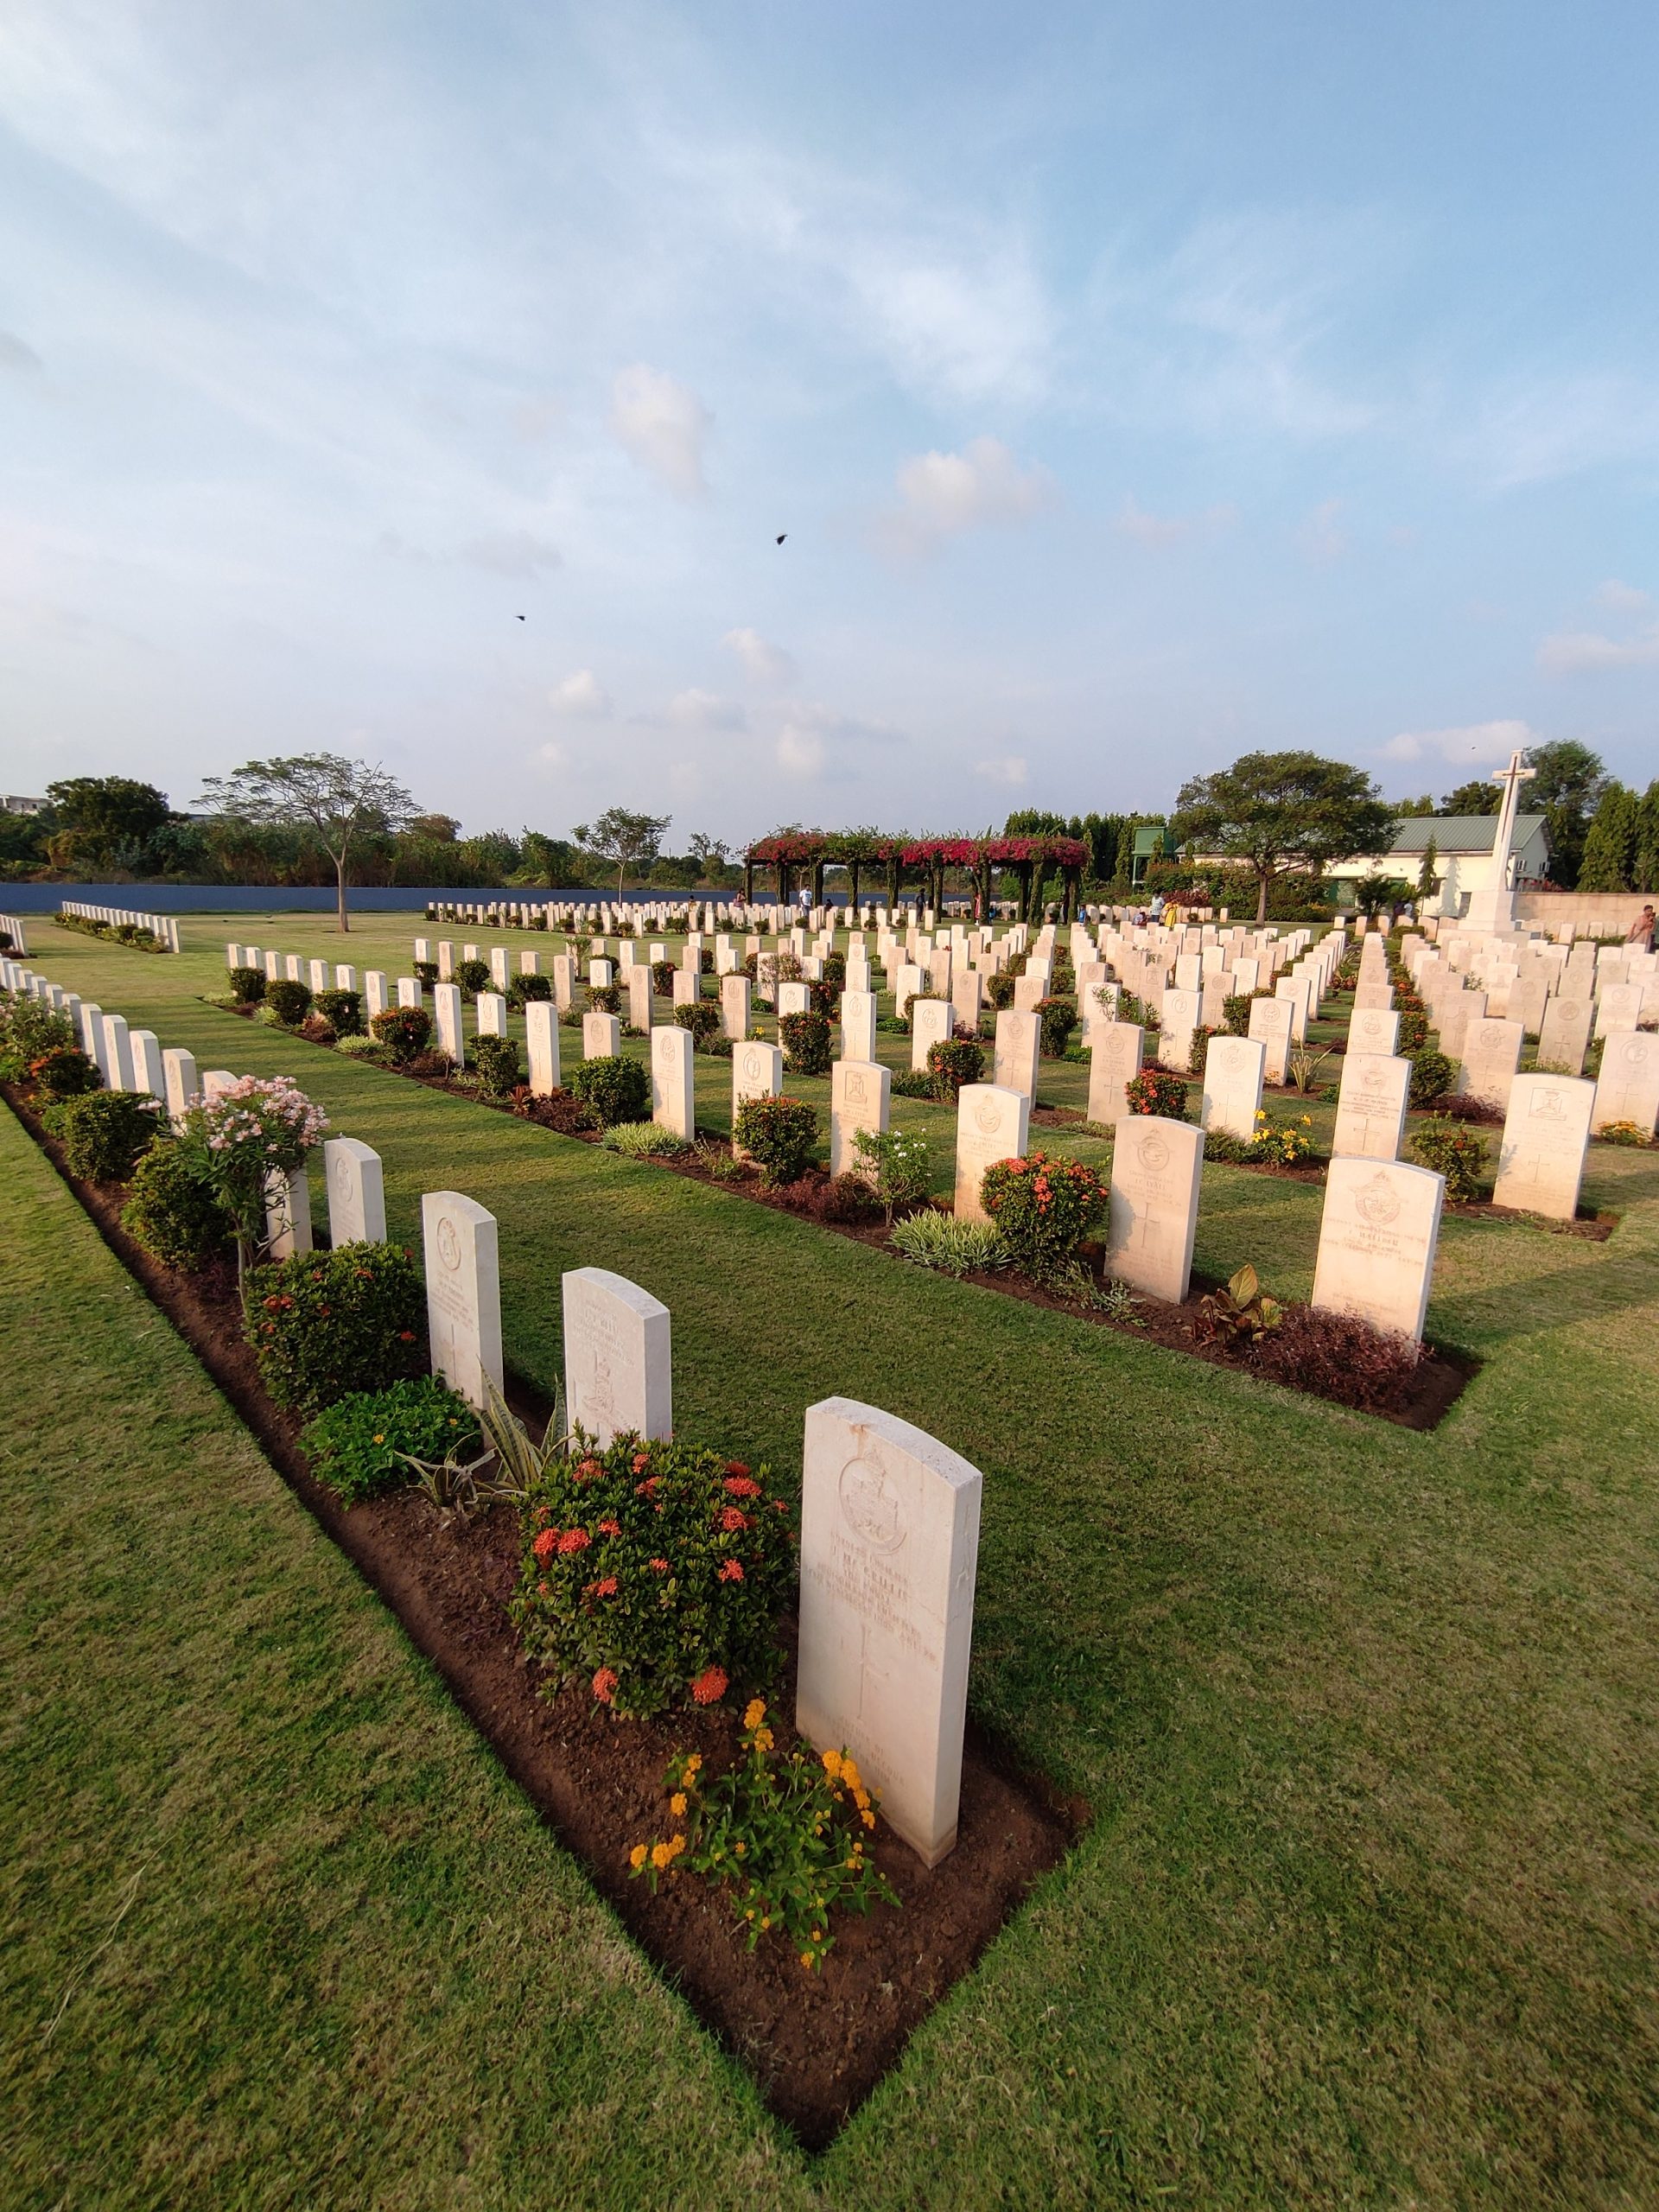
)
(796, 852)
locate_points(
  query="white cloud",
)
(767, 663)
(582, 697)
(663, 423)
(1169, 529)
(702, 710)
(1625, 597)
(1572, 651)
(943, 493)
(511, 553)
(1010, 768)
(552, 756)
(1319, 538)
(800, 749)
(1474, 744)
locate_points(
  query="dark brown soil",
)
(816, 2043)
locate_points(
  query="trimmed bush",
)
(605, 998)
(473, 976)
(104, 1134)
(1058, 1018)
(523, 988)
(1432, 1077)
(779, 1134)
(951, 1063)
(702, 1020)
(496, 1059)
(1453, 1150)
(807, 1042)
(65, 1072)
(662, 977)
(247, 985)
(172, 1213)
(655, 1571)
(342, 1011)
(355, 1446)
(404, 1031)
(426, 973)
(1045, 1205)
(324, 1325)
(616, 1088)
(289, 1002)
(999, 990)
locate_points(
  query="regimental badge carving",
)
(1547, 1106)
(870, 1507)
(988, 1117)
(1153, 1152)
(751, 1067)
(1634, 1052)
(449, 1244)
(855, 1091)
(1374, 1202)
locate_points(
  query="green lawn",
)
(1366, 1914)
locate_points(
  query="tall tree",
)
(1283, 813)
(338, 802)
(1567, 789)
(1429, 874)
(100, 822)
(627, 841)
(1476, 798)
(1608, 862)
(1647, 840)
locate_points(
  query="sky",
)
(1136, 386)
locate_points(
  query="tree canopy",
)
(103, 822)
(338, 801)
(1283, 813)
(627, 840)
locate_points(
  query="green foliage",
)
(29, 1030)
(65, 1072)
(657, 1571)
(405, 1030)
(1045, 1205)
(1283, 812)
(912, 1082)
(899, 1164)
(808, 1043)
(1236, 1014)
(952, 1247)
(1281, 1144)
(1241, 1312)
(1432, 1077)
(176, 1216)
(616, 1088)
(473, 976)
(342, 1011)
(1155, 1091)
(247, 985)
(496, 1059)
(605, 998)
(702, 1020)
(522, 990)
(103, 1133)
(1057, 1018)
(289, 1002)
(779, 1134)
(1610, 846)
(644, 1141)
(998, 990)
(357, 1447)
(951, 1063)
(785, 1831)
(323, 1325)
(358, 1045)
(1454, 1150)
(103, 822)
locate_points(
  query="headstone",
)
(757, 1072)
(291, 964)
(906, 983)
(446, 960)
(564, 979)
(1179, 1016)
(463, 1293)
(858, 1025)
(1456, 1010)
(148, 1072)
(673, 1081)
(446, 1011)
(858, 1100)
(1374, 1029)
(117, 1057)
(1377, 1243)
(492, 1014)
(601, 973)
(932, 1022)
(409, 990)
(601, 1036)
(1546, 1133)
(1232, 1085)
(356, 1197)
(345, 976)
(793, 998)
(992, 1123)
(287, 1212)
(1114, 1062)
(498, 966)
(1296, 992)
(1371, 1106)
(688, 987)
(1491, 1052)
(889, 1555)
(1029, 990)
(1627, 1088)
(1019, 1041)
(1564, 1035)
(1157, 1165)
(542, 1046)
(179, 1069)
(967, 999)
(319, 970)
(618, 1357)
(374, 994)
(1618, 1007)
(638, 985)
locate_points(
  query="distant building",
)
(1151, 842)
(1463, 858)
(11, 804)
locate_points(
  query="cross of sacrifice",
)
(1511, 778)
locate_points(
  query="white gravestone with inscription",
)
(735, 1006)
(1540, 1157)
(149, 1074)
(673, 1082)
(601, 1036)
(445, 1013)
(1019, 1041)
(463, 1293)
(1627, 1088)
(1153, 1217)
(858, 1025)
(889, 1552)
(287, 1212)
(1374, 1029)
(1272, 1021)
(179, 1068)
(618, 1357)
(357, 1195)
(1491, 1052)
(1114, 1062)
(932, 1022)
(542, 1046)
(1232, 1085)
(1371, 1106)
(1377, 1236)
(992, 1123)
(858, 1100)
(1564, 1035)
(757, 1072)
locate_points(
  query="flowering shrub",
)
(403, 1030)
(1155, 1090)
(172, 1213)
(898, 1165)
(806, 1041)
(233, 1141)
(1623, 1133)
(324, 1325)
(779, 1134)
(104, 1133)
(787, 1832)
(357, 1446)
(951, 1063)
(247, 985)
(1282, 1144)
(1455, 1152)
(65, 1072)
(289, 1002)
(653, 1571)
(28, 1032)
(342, 1011)
(1432, 1075)
(616, 1088)
(662, 978)
(1045, 1205)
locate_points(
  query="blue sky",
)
(1137, 386)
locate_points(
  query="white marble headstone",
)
(463, 1293)
(357, 1199)
(1377, 1235)
(1157, 1165)
(618, 1357)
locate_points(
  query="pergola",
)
(796, 853)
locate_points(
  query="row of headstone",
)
(162, 927)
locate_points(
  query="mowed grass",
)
(1365, 1916)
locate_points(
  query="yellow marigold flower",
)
(660, 1855)
(806, 1961)
(764, 1740)
(832, 1764)
(636, 1857)
(692, 1764)
(677, 1804)
(861, 1799)
(765, 1920)
(869, 1818)
(754, 1713)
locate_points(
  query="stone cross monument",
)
(1494, 907)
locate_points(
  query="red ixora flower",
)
(546, 1544)
(648, 1488)
(710, 1686)
(404, 1336)
(732, 1571)
(641, 1461)
(605, 1682)
(659, 1565)
(604, 1589)
(736, 1467)
(610, 1528)
(731, 1519)
(587, 1468)
(575, 1540)
(741, 1486)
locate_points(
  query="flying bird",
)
(521, 617)
(782, 535)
